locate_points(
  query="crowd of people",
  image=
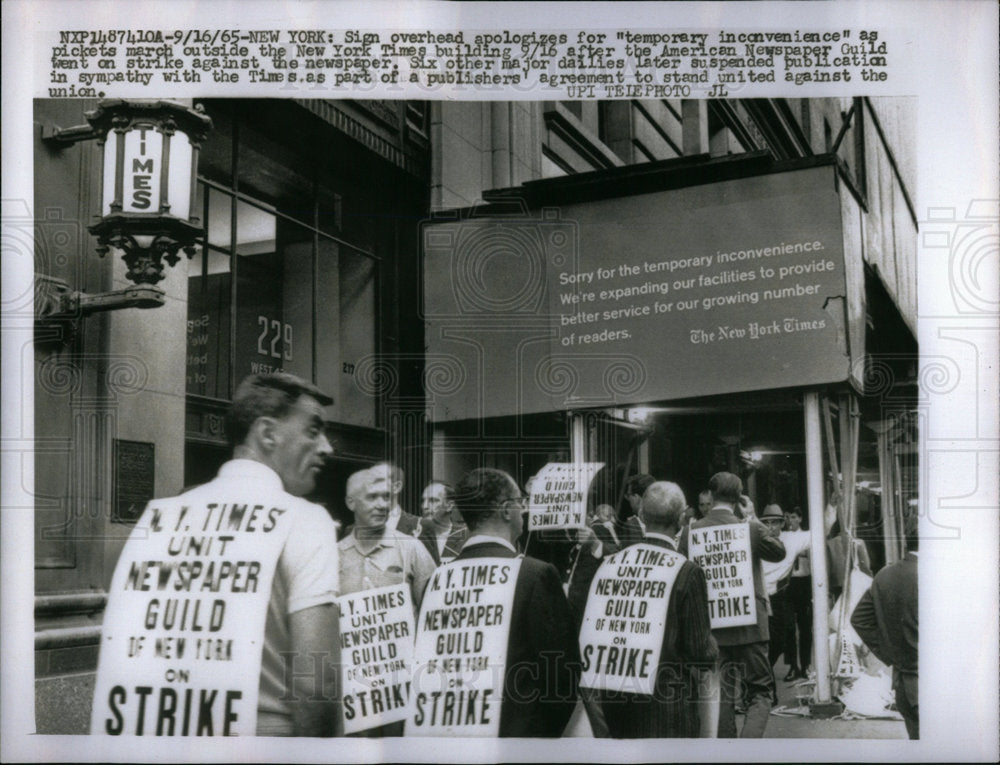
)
(705, 676)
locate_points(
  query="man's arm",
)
(699, 650)
(865, 623)
(766, 546)
(421, 567)
(554, 641)
(315, 637)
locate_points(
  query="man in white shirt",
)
(373, 555)
(250, 518)
(777, 576)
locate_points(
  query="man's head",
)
(635, 487)
(437, 503)
(773, 518)
(368, 497)
(490, 503)
(705, 501)
(793, 519)
(726, 487)
(663, 504)
(277, 420)
(605, 513)
(392, 475)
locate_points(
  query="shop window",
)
(304, 298)
(305, 304)
(274, 294)
(209, 300)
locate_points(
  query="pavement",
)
(790, 725)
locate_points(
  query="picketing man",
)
(684, 698)
(490, 595)
(247, 583)
(373, 555)
(743, 650)
(777, 583)
(632, 530)
(399, 520)
(603, 524)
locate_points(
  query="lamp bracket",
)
(53, 135)
(58, 309)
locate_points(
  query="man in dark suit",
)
(742, 650)
(886, 620)
(687, 659)
(542, 667)
(442, 538)
(631, 528)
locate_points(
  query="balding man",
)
(675, 709)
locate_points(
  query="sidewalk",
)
(780, 726)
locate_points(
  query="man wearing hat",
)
(777, 578)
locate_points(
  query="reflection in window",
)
(292, 281)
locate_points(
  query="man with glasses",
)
(542, 662)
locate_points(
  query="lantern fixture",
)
(150, 172)
(148, 200)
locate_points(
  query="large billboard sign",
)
(720, 288)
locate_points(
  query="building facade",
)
(322, 257)
(574, 157)
(310, 211)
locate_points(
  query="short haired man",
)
(280, 447)
(542, 667)
(440, 535)
(777, 583)
(676, 709)
(742, 650)
(372, 555)
(632, 530)
(704, 504)
(886, 620)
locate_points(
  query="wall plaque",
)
(135, 474)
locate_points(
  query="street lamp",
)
(150, 182)
(148, 198)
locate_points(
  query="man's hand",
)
(588, 540)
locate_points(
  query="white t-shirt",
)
(307, 575)
(795, 542)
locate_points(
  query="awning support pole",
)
(577, 437)
(814, 484)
